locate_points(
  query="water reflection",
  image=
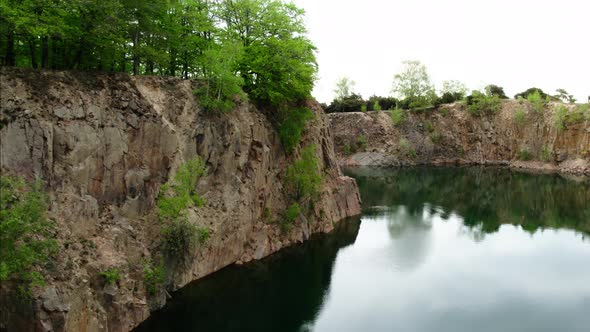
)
(456, 250)
(280, 293)
(484, 197)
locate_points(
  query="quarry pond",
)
(436, 249)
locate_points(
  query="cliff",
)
(450, 135)
(104, 145)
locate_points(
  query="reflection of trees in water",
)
(279, 293)
(411, 236)
(484, 197)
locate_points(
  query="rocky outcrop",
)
(451, 135)
(104, 144)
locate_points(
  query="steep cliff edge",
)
(104, 144)
(451, 135)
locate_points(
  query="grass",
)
(524, 155)
(154, 276)
(289, 216)
(303, 177)
(406, 148)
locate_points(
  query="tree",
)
(454, 87)
(344, 88)
(413, 81)
(565, 96)
(494, 90)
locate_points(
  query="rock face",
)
(104, 144)
(453, 136)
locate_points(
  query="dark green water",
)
(464, 249)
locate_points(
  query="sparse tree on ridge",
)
(344, 88)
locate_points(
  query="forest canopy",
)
(259, 47)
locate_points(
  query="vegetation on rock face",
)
(179, 234)
(479, 103)
(398, 116)
(537, 101)
(111, 276)
(153, 276)
(289, 216)
(303, 177)
(26, 235)
(559, 118)
(292, 125)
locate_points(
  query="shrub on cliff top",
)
(26, 238)
(479, 103)
(303, 177)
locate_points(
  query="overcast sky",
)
(516, 44)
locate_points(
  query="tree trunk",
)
(33, 53)
(136, 53)
(44, 52)
(10, 59)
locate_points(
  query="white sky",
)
(516, 44)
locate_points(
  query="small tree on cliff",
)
(344, 88)
(413, 84)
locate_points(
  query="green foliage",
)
(26, 238)
(479, 103)
(178, 195)
(429, 126)
(303, 178)
(494, 90)
(564, 96)
(406, 148)
(222, 85)
(364, 108)
(530, 91)
(445, 111)
(398, 116)
(292, 126)
(154, 276)
(579, 114)
(361, 142)
(546, 154)
(352, 103)
(452, 91)
(376, 106)
(180, 236)
(413, 83)
(524, 154)
(435, 137)
(111, 276)
(520, 116)
(289, 216)
(348, 149)
(537, 101)
(344, 88)
(559, 118)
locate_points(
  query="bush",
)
(290, 215)
(449, 98)
(537, 101)
(291, 127)
(406, 148)
(180, 193)
(361, 142)
(364, 108)
(526, 94)
(26, 239)
(559, 118)
(445, 111)
(180, 237)
(398, 116)
(429, 126)
(520, 116)
(154, 277)
(111, 276)
(525, 155)
(478, 103)
(581, 113)
(303, 177)
(376, 106)
(352, 103)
